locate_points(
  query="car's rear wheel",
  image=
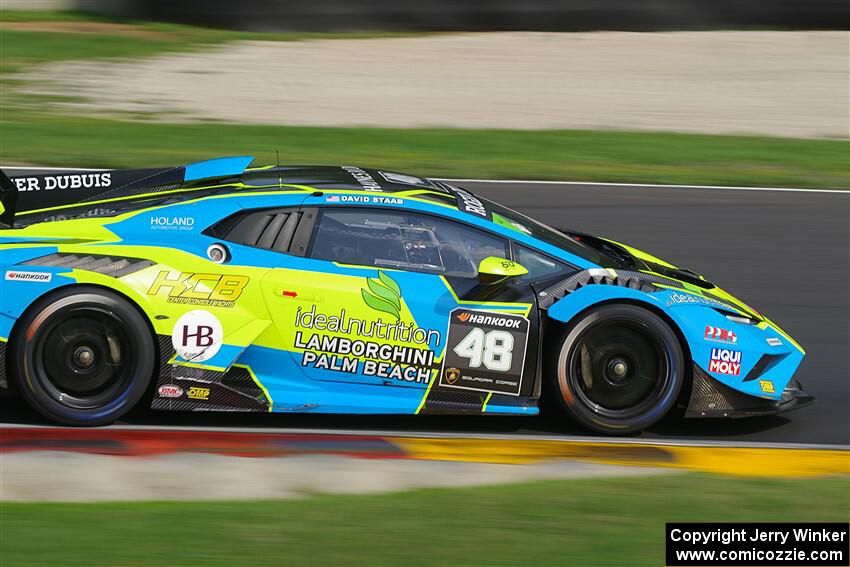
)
(82, 356)
(620, 369)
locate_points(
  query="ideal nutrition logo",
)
(383, 294)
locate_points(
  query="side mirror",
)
(494, 270)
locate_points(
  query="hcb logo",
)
(214, 290)
(197, 336)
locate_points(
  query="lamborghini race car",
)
(220, 286)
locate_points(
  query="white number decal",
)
(498, 348)
(472, 347)
(494, 349)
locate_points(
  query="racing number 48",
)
(494, 349)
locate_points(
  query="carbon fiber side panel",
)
(710, 398)
(4, 382)
(183, 388)
(450, 401)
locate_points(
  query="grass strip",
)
(605, 522)
(580, 155)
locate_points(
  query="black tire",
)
(618, 369)
(82, 356)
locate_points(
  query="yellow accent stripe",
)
(486, 401)
(141, 196)
(174, 360)
(499, 305)
(767, 462)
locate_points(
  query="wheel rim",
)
(84, 359)
(619, 368)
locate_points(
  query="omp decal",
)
(725, 361)
(197, 393)
(485, 352)
(719, 335)
(18, 276)
(367, 181)
(767, 386)
(211, 290)
(197, 335)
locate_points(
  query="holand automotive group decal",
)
(172, 223)
(342, 343)
(485, 351)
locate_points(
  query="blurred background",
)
(631, 104)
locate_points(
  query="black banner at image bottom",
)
(757, 544)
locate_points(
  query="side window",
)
(402, 240)
(272, 229)
(539, 266)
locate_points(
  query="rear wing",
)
(60, 195)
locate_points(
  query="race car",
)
(224, 286)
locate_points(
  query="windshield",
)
(517, 221)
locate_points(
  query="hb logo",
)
(197, 336)
(201, 337)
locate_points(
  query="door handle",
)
(294, 294)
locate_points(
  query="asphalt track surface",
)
(787, 253)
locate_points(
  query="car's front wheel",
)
(619, 369)
(82, 356)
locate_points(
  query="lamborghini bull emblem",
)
(452, 374)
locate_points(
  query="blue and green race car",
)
(223, 286)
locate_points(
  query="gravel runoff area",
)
(75, 477)
(778, 83)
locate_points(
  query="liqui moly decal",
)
(720, 335)
(725, 361)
